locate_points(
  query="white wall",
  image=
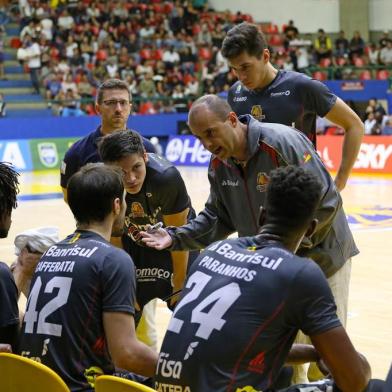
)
(380, 15)
(308, 15)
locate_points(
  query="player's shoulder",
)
(83, 145)
(5, 271)
(295, 77)
(161, 168)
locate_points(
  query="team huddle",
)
(238, 304)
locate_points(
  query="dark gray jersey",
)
(75, 282)
(242, 306)
(292, 98)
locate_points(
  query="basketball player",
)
(156, 193)
(286, 97)
(113, 104)
(9, 315)
(80, 313)
(245, 300)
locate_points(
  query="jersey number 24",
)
(218, 303)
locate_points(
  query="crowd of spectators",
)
(168, 51)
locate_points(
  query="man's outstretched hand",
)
(158, 239)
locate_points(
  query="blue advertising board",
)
(16, 152)
(186, 150)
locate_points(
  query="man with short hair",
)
(113, 104)
(286, 97)
(83, 291)
(245, 300)
(244, 153)
(9, 315)
(156, 193)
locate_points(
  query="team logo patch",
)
(257, 112)
(137, 210)
(48, 155)
(238, 89)
(262, 181)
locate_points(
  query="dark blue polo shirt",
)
(85, 151)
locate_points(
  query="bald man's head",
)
(209, 103)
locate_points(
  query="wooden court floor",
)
(368, 204)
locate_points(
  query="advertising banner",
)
(375, 154)
(48, 153)
(16, 152)
(186, 150)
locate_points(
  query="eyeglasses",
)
(112, 103)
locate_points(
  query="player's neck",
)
(274, 233)
(241, 154)
(105, 130)
(269, 77)
(100, 228)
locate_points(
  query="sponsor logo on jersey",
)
(262, 181)
(152, 274)
(160, 387)
(240, 99)
(256, 365)
(306, 157)
(279, 94)
(257, 112)
(167, 367)
(229, 183)
(137, 210)
(47, 153)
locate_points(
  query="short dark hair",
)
(293, 195)
(9, 188)
(92, 190)
(112, 84)
(118, 145)
(214, 104)
(245, 37)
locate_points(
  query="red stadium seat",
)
(320, 75)
(365, 75)
(167, 7)
(275, 40)
(102, 55)
(54, 53)
(205, 53)
(272, 29)
(382, 74)
(359, 62)
(157, 54)
(145, 53)
(325, 62)
(341, 61)
(158, 8)
(15, 43)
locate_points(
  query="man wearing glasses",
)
(113, 104)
